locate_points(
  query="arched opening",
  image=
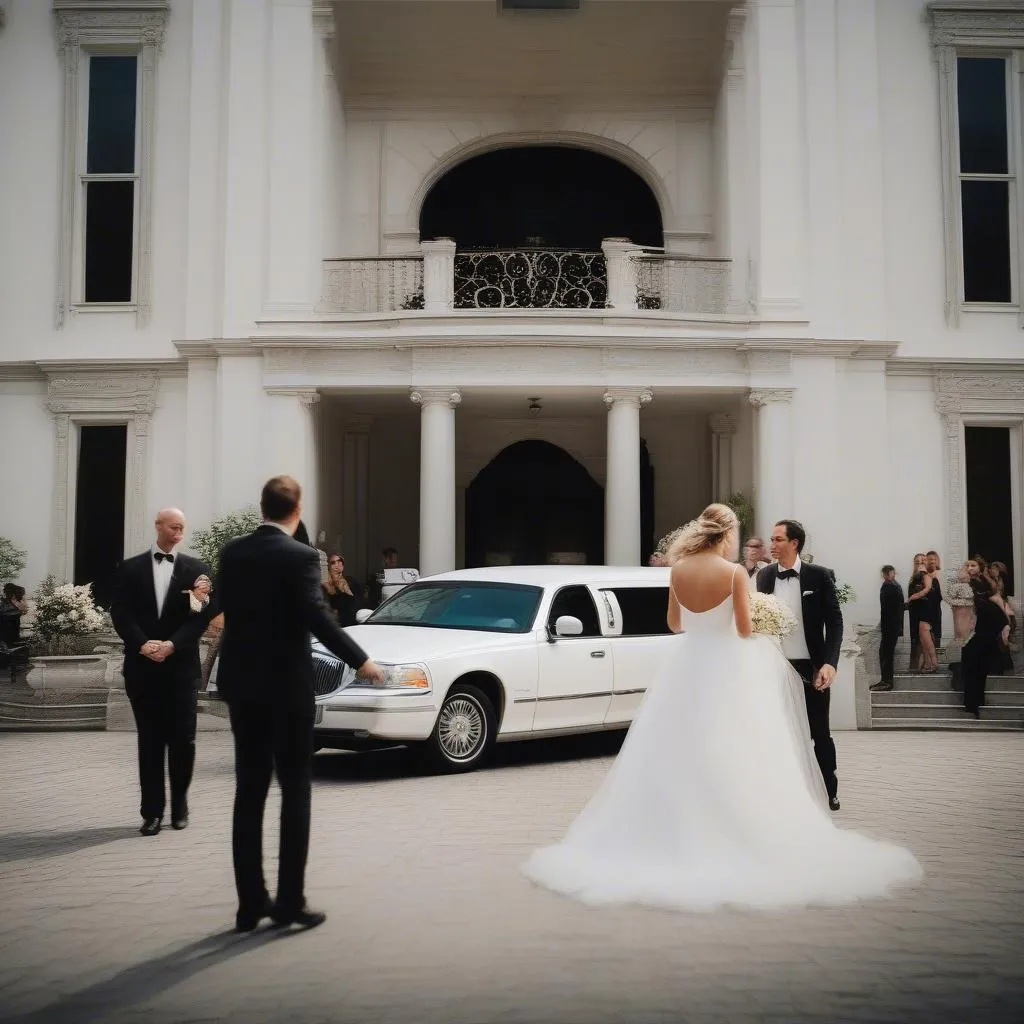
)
(534, 504)
(553, 197)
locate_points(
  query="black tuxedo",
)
(269, 586)
(891, 603)
(823, 631)
(162, 694)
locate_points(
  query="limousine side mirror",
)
(568, 625)
(363, 614)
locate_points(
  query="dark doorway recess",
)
(557, 197)
(99, 507)
(531, 501)
(989, 496)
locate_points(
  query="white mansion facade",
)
(514, 280)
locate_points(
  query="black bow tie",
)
(160, 556)
(788, 574)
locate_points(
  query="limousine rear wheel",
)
(464, 731)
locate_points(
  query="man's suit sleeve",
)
(763, 576)
(189, 632)
(319, 620)
(121, 611)
(833, 616)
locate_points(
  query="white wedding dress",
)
(715, 798)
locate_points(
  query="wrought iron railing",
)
(530, 279)
(376, 284)
(682, 284)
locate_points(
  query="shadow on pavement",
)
(144, 981)
(15, 846)
(402, 762)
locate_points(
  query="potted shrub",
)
(67, 628)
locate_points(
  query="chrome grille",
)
(328, 672)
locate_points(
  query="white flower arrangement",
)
(770, 617)
(63, 613)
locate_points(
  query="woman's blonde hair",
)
(703, 533)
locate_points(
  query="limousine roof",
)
(560, 575)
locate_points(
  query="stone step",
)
(941, 680)
(962, 724)
(997, 698)
(879, 712)
(28, 714)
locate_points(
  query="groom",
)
(813, 647)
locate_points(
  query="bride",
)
(715, 798)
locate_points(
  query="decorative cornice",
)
(760, 397)
(435, 396)
(637, 397)
(976, 23)
(130, 392)
(106, 21)
(954, 389)
(722, 423)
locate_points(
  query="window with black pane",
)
(986, 177)
(110, 178)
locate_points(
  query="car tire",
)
(463, 733)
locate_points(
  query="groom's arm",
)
(833, 617)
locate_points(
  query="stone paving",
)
(431, 922)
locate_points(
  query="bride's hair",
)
(704, 533)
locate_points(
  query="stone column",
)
(355, 491)
(292, 447)
(774, 461)
(948, 404)
(735, 232)
(621, 270)
(622, 481)
(723, 429)
(437, 477)
(438, 275)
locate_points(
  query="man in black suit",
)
(161, 607)
(269, 586)
(891, 602)
(813, 647)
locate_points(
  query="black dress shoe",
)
(882, 687)
(180, 822)
(833, 803)
(151, 826)
(305, 918)
(248, 920)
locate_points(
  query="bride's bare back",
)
(702, 582)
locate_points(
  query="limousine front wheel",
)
(464, 730)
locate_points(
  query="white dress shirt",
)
(794, 646)
(162, 571)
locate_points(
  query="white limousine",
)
(481, 656)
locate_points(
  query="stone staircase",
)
(22, 708)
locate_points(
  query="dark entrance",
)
(99, 507)
(532, 501)
(550, 197)
(989, 496)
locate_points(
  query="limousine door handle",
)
(597, 654)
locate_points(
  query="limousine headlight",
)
(405, 677)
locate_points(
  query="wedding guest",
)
(375, 583)
(960, 597)
(891, 603)
(12, 607)
(755, 557)
(997, 574)
(980, 652)
(934, 599)
(162, 605)
(343, 594)
(915, 593)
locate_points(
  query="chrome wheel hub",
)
(461, 728)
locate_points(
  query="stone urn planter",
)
(68, 672)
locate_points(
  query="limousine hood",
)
(396, 645)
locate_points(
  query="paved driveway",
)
(430, 921)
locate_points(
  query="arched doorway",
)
(558, 197)
(533, 504)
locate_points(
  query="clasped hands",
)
(825, 677)
(157, 650)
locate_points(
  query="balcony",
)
(439, 280)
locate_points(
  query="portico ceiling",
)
(611, 54)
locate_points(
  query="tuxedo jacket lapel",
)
(144, 581)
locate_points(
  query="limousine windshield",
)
(490, 607)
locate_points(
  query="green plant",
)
(64, 615)
(845, 593)
(744, 510)
(12, 561)
(208, 543)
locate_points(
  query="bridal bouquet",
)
(769, 616)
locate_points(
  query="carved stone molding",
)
(973, 23)
(137, 25)
(128, 392)
(760, 397)
(638, 397)
(734, 29)
(722, 423)
(435, 396)
(948, 404)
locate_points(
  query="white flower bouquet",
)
(65, 613)
(770, 617)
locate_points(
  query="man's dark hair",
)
(982, 587)
(928, 553)
(13, 590)
(794, 531)
(886, 569)
(280, 498)
(387, 552)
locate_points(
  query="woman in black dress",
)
(981, 651)
(922, 647)
(342, 593)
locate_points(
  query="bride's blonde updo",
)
(703, 534)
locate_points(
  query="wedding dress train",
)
(715, 798)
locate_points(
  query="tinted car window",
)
(644, 610)
(493, 607)
(575, 601)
